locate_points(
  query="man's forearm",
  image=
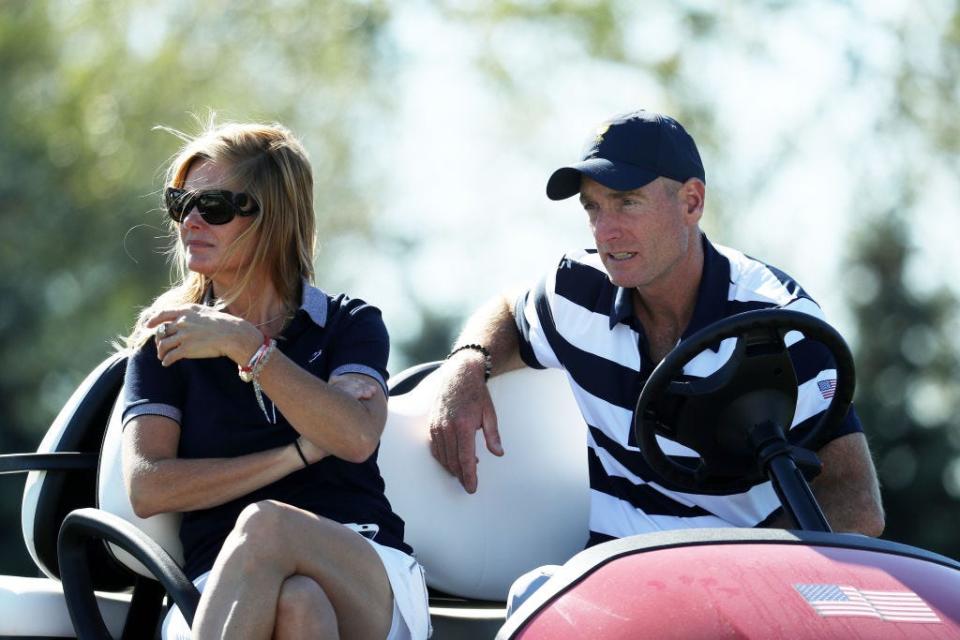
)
(493, 326)
(847, 489)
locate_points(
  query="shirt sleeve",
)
(149, 388)
(816, 372)
(362, 345)
(533, 314)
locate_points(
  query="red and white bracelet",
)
(247, 373)
(251, 372)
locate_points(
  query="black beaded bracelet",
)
(296, 445)
(487, 358)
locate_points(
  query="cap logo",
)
(602, 129)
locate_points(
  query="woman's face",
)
(211, 249)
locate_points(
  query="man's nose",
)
(606, 226)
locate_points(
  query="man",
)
(607, 317)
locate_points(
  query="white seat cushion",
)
(35, 607)
(112, 496)
(532, 505)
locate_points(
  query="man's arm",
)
(847, 488)
(463, 404)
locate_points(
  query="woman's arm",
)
(157, 481)
(329, 415)
(333, 416)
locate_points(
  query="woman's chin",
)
(203, 267)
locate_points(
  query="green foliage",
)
(907, 396)
(88, 82)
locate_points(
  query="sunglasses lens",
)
(215, 208)
(177, 202)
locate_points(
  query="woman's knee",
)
(304, 610)
(258, 534)
(262, 522)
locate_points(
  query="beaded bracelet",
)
(487, 358)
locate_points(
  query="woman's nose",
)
(193, 217)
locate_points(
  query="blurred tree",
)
(903, 296)
(907, 392)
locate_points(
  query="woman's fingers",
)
(358, 386)
(172, 314)
(167, 315)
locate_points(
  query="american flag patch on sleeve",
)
(842, 600)
(827, 388)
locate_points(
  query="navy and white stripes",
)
(577, 320)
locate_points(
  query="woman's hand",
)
(198, 331)
(357, 386)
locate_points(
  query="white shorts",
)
(411, 612)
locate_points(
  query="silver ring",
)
(162, 330)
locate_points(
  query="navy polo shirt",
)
(576, 319)
(219, 417)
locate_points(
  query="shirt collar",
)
(622, 306)
(711, 294)
(313, 301)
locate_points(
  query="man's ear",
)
(693, 193)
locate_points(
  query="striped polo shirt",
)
(577, 320)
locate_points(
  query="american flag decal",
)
(827, 388)
(842, 600)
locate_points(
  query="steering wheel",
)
(725, 417)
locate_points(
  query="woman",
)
(254, 404)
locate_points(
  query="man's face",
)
(641, 234)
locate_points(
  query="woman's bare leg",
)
(304, 611)
(273, 542)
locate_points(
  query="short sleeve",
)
(361, 344)
(816, 372)
(535, 325)
(149, 388)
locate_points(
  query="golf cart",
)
(531, 509)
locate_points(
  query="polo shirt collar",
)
(622, 308)
(713, 291)
(313, 301)
(711, 294)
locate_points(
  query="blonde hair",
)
(268, 163)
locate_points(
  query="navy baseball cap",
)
(629, 151)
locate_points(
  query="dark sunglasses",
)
(215, 206)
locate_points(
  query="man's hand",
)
(463, 405)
